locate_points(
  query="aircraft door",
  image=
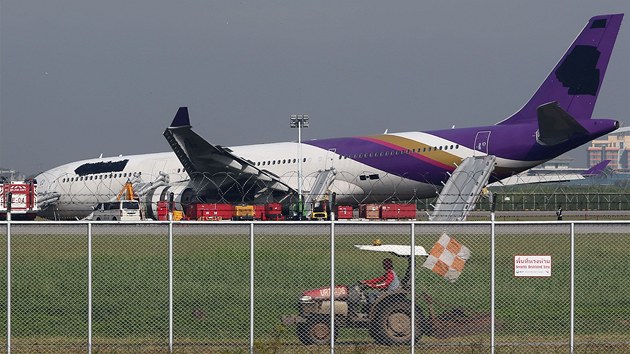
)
(482, 140)
(330, 158)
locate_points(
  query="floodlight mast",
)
(298, 121)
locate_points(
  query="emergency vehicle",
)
(20, 198)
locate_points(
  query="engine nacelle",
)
(183, 195)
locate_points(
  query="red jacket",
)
(381, 282)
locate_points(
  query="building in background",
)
(8, 175)
(613, 147)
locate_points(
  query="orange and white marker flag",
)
(447, 258)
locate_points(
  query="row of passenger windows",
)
(371, 154)
(401, 152)
(101, 176)
(108, 176)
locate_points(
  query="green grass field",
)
(211, 288)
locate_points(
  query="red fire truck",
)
(20, 198)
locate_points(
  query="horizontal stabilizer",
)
(556, 126)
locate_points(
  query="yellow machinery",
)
(320, 210)
(127, 191)
(177, 215)
(243, 212)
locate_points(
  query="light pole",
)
(299, 121)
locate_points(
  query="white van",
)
(123, 210)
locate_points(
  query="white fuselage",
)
(77, 194)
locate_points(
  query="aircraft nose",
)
(42, 183)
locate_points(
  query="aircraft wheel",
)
(114, 218)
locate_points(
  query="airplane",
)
(546, 176)
(361, 169)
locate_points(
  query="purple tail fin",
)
(576, 80)
(597, 169)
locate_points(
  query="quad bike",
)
(386, 314)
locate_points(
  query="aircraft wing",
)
(200, 158)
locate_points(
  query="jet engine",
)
(182, 195)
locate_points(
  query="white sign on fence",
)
(532, 266)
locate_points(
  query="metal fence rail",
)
(516, 201)
(194, 287)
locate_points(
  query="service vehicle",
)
(387, 316)
(119, 210)
(20, 198)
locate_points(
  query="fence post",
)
(572, 338)
(9, 281)
(251, 288)
(170, 283)
(413, 288)
(492, 284)
(89, 245)
(332, 283)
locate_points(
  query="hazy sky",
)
(79, 78)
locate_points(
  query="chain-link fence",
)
(264, 287)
